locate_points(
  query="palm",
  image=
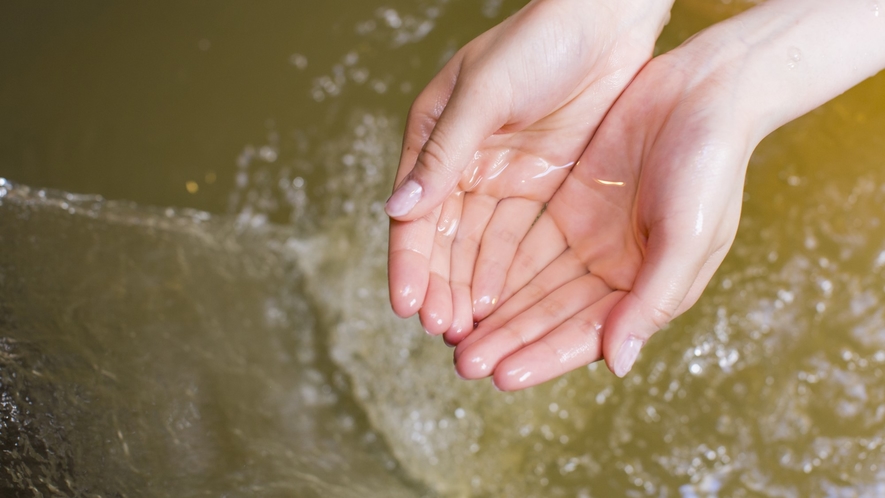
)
(663, 176)
(548, 96)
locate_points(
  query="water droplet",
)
(794, 56)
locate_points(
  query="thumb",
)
(670, 280)
(471, 115)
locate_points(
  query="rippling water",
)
(247, 348)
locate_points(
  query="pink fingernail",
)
(627, 355)
(404, 199)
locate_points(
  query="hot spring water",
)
(250, 351)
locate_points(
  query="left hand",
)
(492, 137)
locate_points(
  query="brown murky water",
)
(228, 333)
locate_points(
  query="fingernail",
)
(627, 356)
(404, 199)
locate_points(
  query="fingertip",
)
(626, 356)
(407, 293)
(408, 276)
(436, 313)
(404, 199)
(458, 373)
(483, 306)
(625, 333)
(464, 340)
(406, 301)
(511, 376)
(473, 365)
(432, 323)
(455, 334)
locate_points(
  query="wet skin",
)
(480, 159)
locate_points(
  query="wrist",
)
(635, 18)
(781, 59)
(643, 19)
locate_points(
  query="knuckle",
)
(534, 292)
(506, 236)
(421, 119)
(551, 307)
(434, 157)
(524, 339)
(465, 245)
(590, 328)
(524, 262)
(660, 314)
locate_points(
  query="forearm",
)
(787, 57)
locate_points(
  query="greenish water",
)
(228, 333)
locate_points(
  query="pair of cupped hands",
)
(561, 196)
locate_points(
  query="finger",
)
(512, 220)
(436, 313)
(462, 322)
(481, 357)
(671, 267)
(424, 114)
(564, 269)
(477, 212)
(574, 344)
(408, 262)
(541, 246)
(459, 112)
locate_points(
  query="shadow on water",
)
(172, 352)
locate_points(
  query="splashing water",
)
(173, 352)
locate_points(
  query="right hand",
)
(631, 238)
(492, 137)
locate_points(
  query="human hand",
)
(493, 136)
(631, 238)
(638, 228)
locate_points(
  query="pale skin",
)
(637, 229)
(492, 137)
